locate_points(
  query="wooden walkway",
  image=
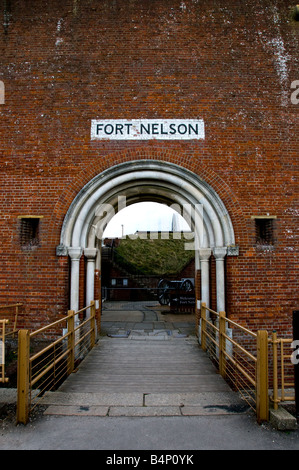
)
(146, 366)
(144, 376)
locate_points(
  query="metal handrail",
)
(10, 306)
(16, 306)
(48, 367)
(251, 370)
(279, 359)
(283, 372)
(241, 327)
(52, 325)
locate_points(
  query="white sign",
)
(147, 129)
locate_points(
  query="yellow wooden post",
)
(23, 377)
(203, 316)
(222, 328)
(16, 318)
(275, 373)
(92, 324)
(262, 397)
(71, 340)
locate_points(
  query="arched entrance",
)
(147, 180)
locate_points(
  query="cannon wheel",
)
(187, 286)
(163, 292)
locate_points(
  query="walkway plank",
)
(122, 365)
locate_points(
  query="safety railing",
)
(11, 313)
(241, 356)
(283, 371)
(8, 328)
(47, 368)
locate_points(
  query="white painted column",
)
(219, 254)
(90, 254)
(204, 255)
(75, 255)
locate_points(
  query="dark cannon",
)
(175, 291)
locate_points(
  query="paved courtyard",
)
(119, 318)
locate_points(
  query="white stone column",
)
(219, 254)
(204, 255)
(90, 254)
(75, 255)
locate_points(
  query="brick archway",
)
(138, 181)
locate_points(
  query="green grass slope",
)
(156, 257)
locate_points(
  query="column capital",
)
(204, 254)
(220, 252)
(75, 253)
(61, 250)
(90, 253)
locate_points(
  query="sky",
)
(143, 216)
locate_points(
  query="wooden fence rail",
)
(5, 311)
(283, 371)
(242, 356)
(9, 316)
(45, 369)
(246, 369)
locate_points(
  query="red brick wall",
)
(231, 64)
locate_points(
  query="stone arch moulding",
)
(145, 180)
